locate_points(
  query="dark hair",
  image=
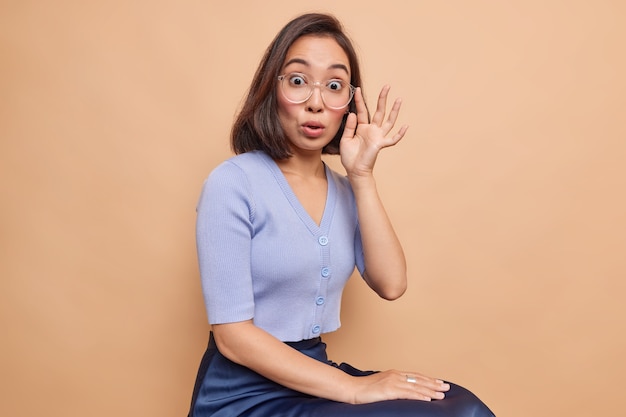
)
(257, 126)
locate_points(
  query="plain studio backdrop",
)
(507, 193)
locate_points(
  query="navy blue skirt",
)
(226, 389)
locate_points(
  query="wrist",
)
(350, 390)
(362, 180)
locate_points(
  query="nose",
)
(315, 103)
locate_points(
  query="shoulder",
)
(244, 161)
(237, 177)
(234, 169)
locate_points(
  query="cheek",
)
(337, 116)
(286, 110)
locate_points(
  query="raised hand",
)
(362, 140)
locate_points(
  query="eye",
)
(297, 80)
(335, 85)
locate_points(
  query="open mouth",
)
(312, 129)
(313, 125)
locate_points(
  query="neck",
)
(304, 166)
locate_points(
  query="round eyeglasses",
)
(297, 88)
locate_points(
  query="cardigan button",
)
(323, 240)
(319, 301)
(325, 272)
(316, 329)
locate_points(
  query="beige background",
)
(508, 194)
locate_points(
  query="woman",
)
(279, 233)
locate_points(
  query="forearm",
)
(385, 264)
(246, 344)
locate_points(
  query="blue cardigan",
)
(262, 256)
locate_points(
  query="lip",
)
(312, 129)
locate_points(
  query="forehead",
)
(317, 53)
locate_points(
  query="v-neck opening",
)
(303, 214)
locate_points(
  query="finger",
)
(422, 380)
(396, 138)
(422, 377)
(350, 127)
(428, 394)
(381, 106)
(425, 390)
(361, 109)
(393, 115)
(391, 141)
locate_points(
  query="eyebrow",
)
(304, 62)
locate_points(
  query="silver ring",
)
(411, 380)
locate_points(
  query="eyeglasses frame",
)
(313, 85)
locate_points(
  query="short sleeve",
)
(358, 251)
(224, 232)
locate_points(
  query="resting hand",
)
(362, 140)
(396, 385)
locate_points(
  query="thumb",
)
(350, 127)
